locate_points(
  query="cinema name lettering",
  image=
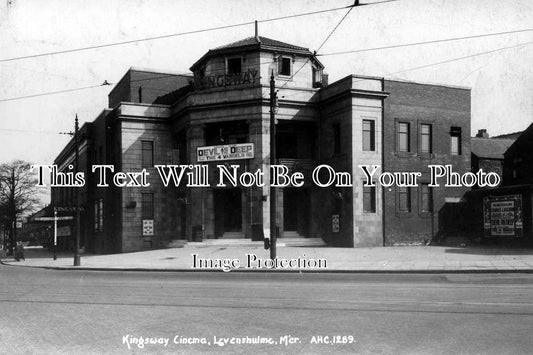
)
(223, 80)
(225, 152)
(503, 216)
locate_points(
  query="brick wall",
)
(442, 107)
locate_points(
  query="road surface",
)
(98, 312)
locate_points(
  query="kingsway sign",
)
(225, 152)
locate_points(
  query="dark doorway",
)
(228, 211)
(296, 211)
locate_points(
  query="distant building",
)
(504, 213)
(219, 115)
(518, 165)
(488, 153)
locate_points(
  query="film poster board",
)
(502, 216)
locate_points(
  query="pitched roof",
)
(490, 148)
(250, 41)
(513, 135)
(256, 43)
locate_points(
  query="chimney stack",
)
(257, 32)
(482, 133)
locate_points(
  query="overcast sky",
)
(501, 81)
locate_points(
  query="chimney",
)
(482, 133)
(257, 32)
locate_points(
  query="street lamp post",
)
(78, 224)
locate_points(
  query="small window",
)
(234, 65)
(426, 198)
(284, 66)
(426, 138)
(455, 140)
(369, 199)
(369, 135)
(404, 142)
(336, 138)
(147, 159)
(404, 199)
(147, 206)
(101, 154)
(99, 216)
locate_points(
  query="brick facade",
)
(442, 108)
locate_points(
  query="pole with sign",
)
(55, 219)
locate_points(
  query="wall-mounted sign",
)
(148, 227)
(225, 152)
(335, 223)
(502, 216)
(251, 76)
(69, 208)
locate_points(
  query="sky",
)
(502, 89)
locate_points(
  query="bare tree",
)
(17, 195)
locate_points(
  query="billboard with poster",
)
(502, 216)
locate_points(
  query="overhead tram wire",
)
(447, 61)
(399, 72)
(426, 42)
(175, 34)
(28, 131)
(462, 58)
(105, 83)
(356, 3)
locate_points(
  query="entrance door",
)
(228, 211)
(296, 209)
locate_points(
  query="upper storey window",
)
(284, 66)
(234, 65)
(455, 140)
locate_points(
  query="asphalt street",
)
(106, 312)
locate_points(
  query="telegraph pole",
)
(78, 224)
(55, 233)
(273, 231)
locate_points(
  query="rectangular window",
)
(336, 138)
(101, 155)
(369, 199)
(404, 199)
(147, 206)
(426, 138)
(99, 215)
(234, 65)
(455, 140)
(284, 66)
(96, 216)
(369, 135)
(147, 158)
(404, 144)
(426, 198)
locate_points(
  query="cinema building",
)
(220, 115)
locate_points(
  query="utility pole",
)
(13, 211)
(273, 229)
(55, 233)
(78, 224)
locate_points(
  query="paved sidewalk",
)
(379, 259)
